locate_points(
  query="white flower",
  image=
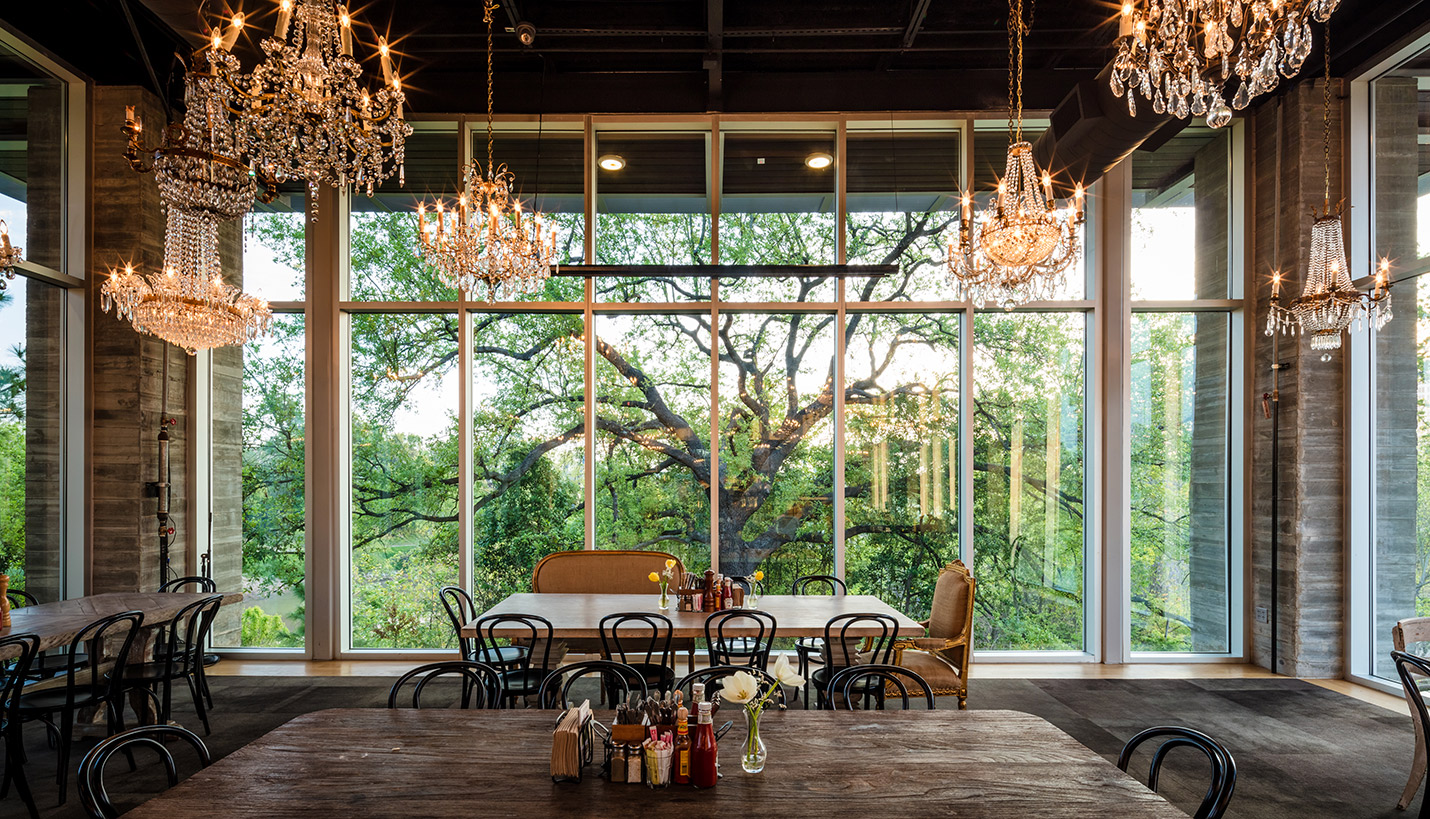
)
(739, 687)
(785, 674)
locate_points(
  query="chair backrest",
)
(203, 585)
(637, 637)
(1413, 668)
(13, 671)
(187, 633)
(19, 599)
(752, 650)
(843, 649)
(853, 681)
(609, 571)
(951, 614)
(1410, 631)
(460, 611)
(92, 792)
(476, 678)
(1223, 782)
(100, 633)
(818, 584)
(539, 633)
(714, 674)
(557, 685)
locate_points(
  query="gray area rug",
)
(1301, 750)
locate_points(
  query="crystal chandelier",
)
(304, 113)
(1181, 54)
(10, 255)
(483, 241)
(1022, 245)
(201, 185)
(1330, 303)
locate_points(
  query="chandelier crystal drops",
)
(1182, 54)
(484, 242)
(1330, 303)
(201, 185)
(305, 113)
(10, 255)
(1023, 244)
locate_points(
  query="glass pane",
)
(776, 445)
(547, 167)
(903, 209)
(382, 242)
(263, 553)
(777, 201)
(653, 435)
(1180, 525)
(403, 478)
(527, 450)
(32, 152)
(654, 209)
(1028, 480)
(1181, 227)
(901, 455)
(32, 334)
(274, 249)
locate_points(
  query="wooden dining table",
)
(56, 624)
(447, 763)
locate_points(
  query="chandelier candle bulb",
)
(385, 58)
(231, 36)
(345, 31)
(285, 15)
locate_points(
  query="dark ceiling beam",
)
(715, 54)
(916, 22)
(513, 14)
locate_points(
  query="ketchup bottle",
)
(703, 750)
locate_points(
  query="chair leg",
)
(15, 770)
(204, 686)
(197, 694)
(1417, 771)
(63, 768)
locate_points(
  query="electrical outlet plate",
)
(1262, 615)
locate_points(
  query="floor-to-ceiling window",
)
(1183, 271)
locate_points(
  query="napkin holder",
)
(585, 748)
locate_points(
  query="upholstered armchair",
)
(942, 656)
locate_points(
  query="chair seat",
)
(48, 664)
(939, 674)
(804, 644)
(523, 681)
(662, 675)
(505, 655)
(819, 678)
(150, 672)
(45, 702)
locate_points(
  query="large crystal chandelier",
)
(1330, 302)
(1181, 54)
(1023, 243)
(202, 184)
(304, 112)
(10, 255)
(483, 241)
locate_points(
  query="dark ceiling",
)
(680, 55)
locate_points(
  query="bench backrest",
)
(606, 571)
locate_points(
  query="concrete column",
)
(1396, 371)
(226, 455)
(126, 385)
(1208, 542)
(1312, 447)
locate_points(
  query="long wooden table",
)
(579, 615)
(56, 624)
(459, 764)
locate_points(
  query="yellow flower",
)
(654, 578)
(670, 564)
(759, 575)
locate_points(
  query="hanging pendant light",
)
(10, 255)
(305, 112)
(483, 243)
(1330, 304)
(1023, 244)
(1181, 54)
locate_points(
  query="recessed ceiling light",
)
(819, 161)
(611, 162)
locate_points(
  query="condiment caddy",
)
(654, 743)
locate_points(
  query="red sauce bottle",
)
(703, 750)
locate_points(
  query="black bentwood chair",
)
(461, 611)
(521, 677)
(202, 585)
(753, 651)
(45, 665)
(841, 650)
(87, 687)
(875, 680)
(477, 678)
(711, 677)
(808, 648)
(613, 677)
(13, 673)
(1223, 766)
(92, 792)
(1413, 669)
(180, 656)
(641, 640)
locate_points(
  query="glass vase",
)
(664, 597)
(752, 752)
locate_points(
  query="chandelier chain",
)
(488, 7)
(1326, 113)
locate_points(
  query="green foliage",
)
(260, 629)
(12, 502)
